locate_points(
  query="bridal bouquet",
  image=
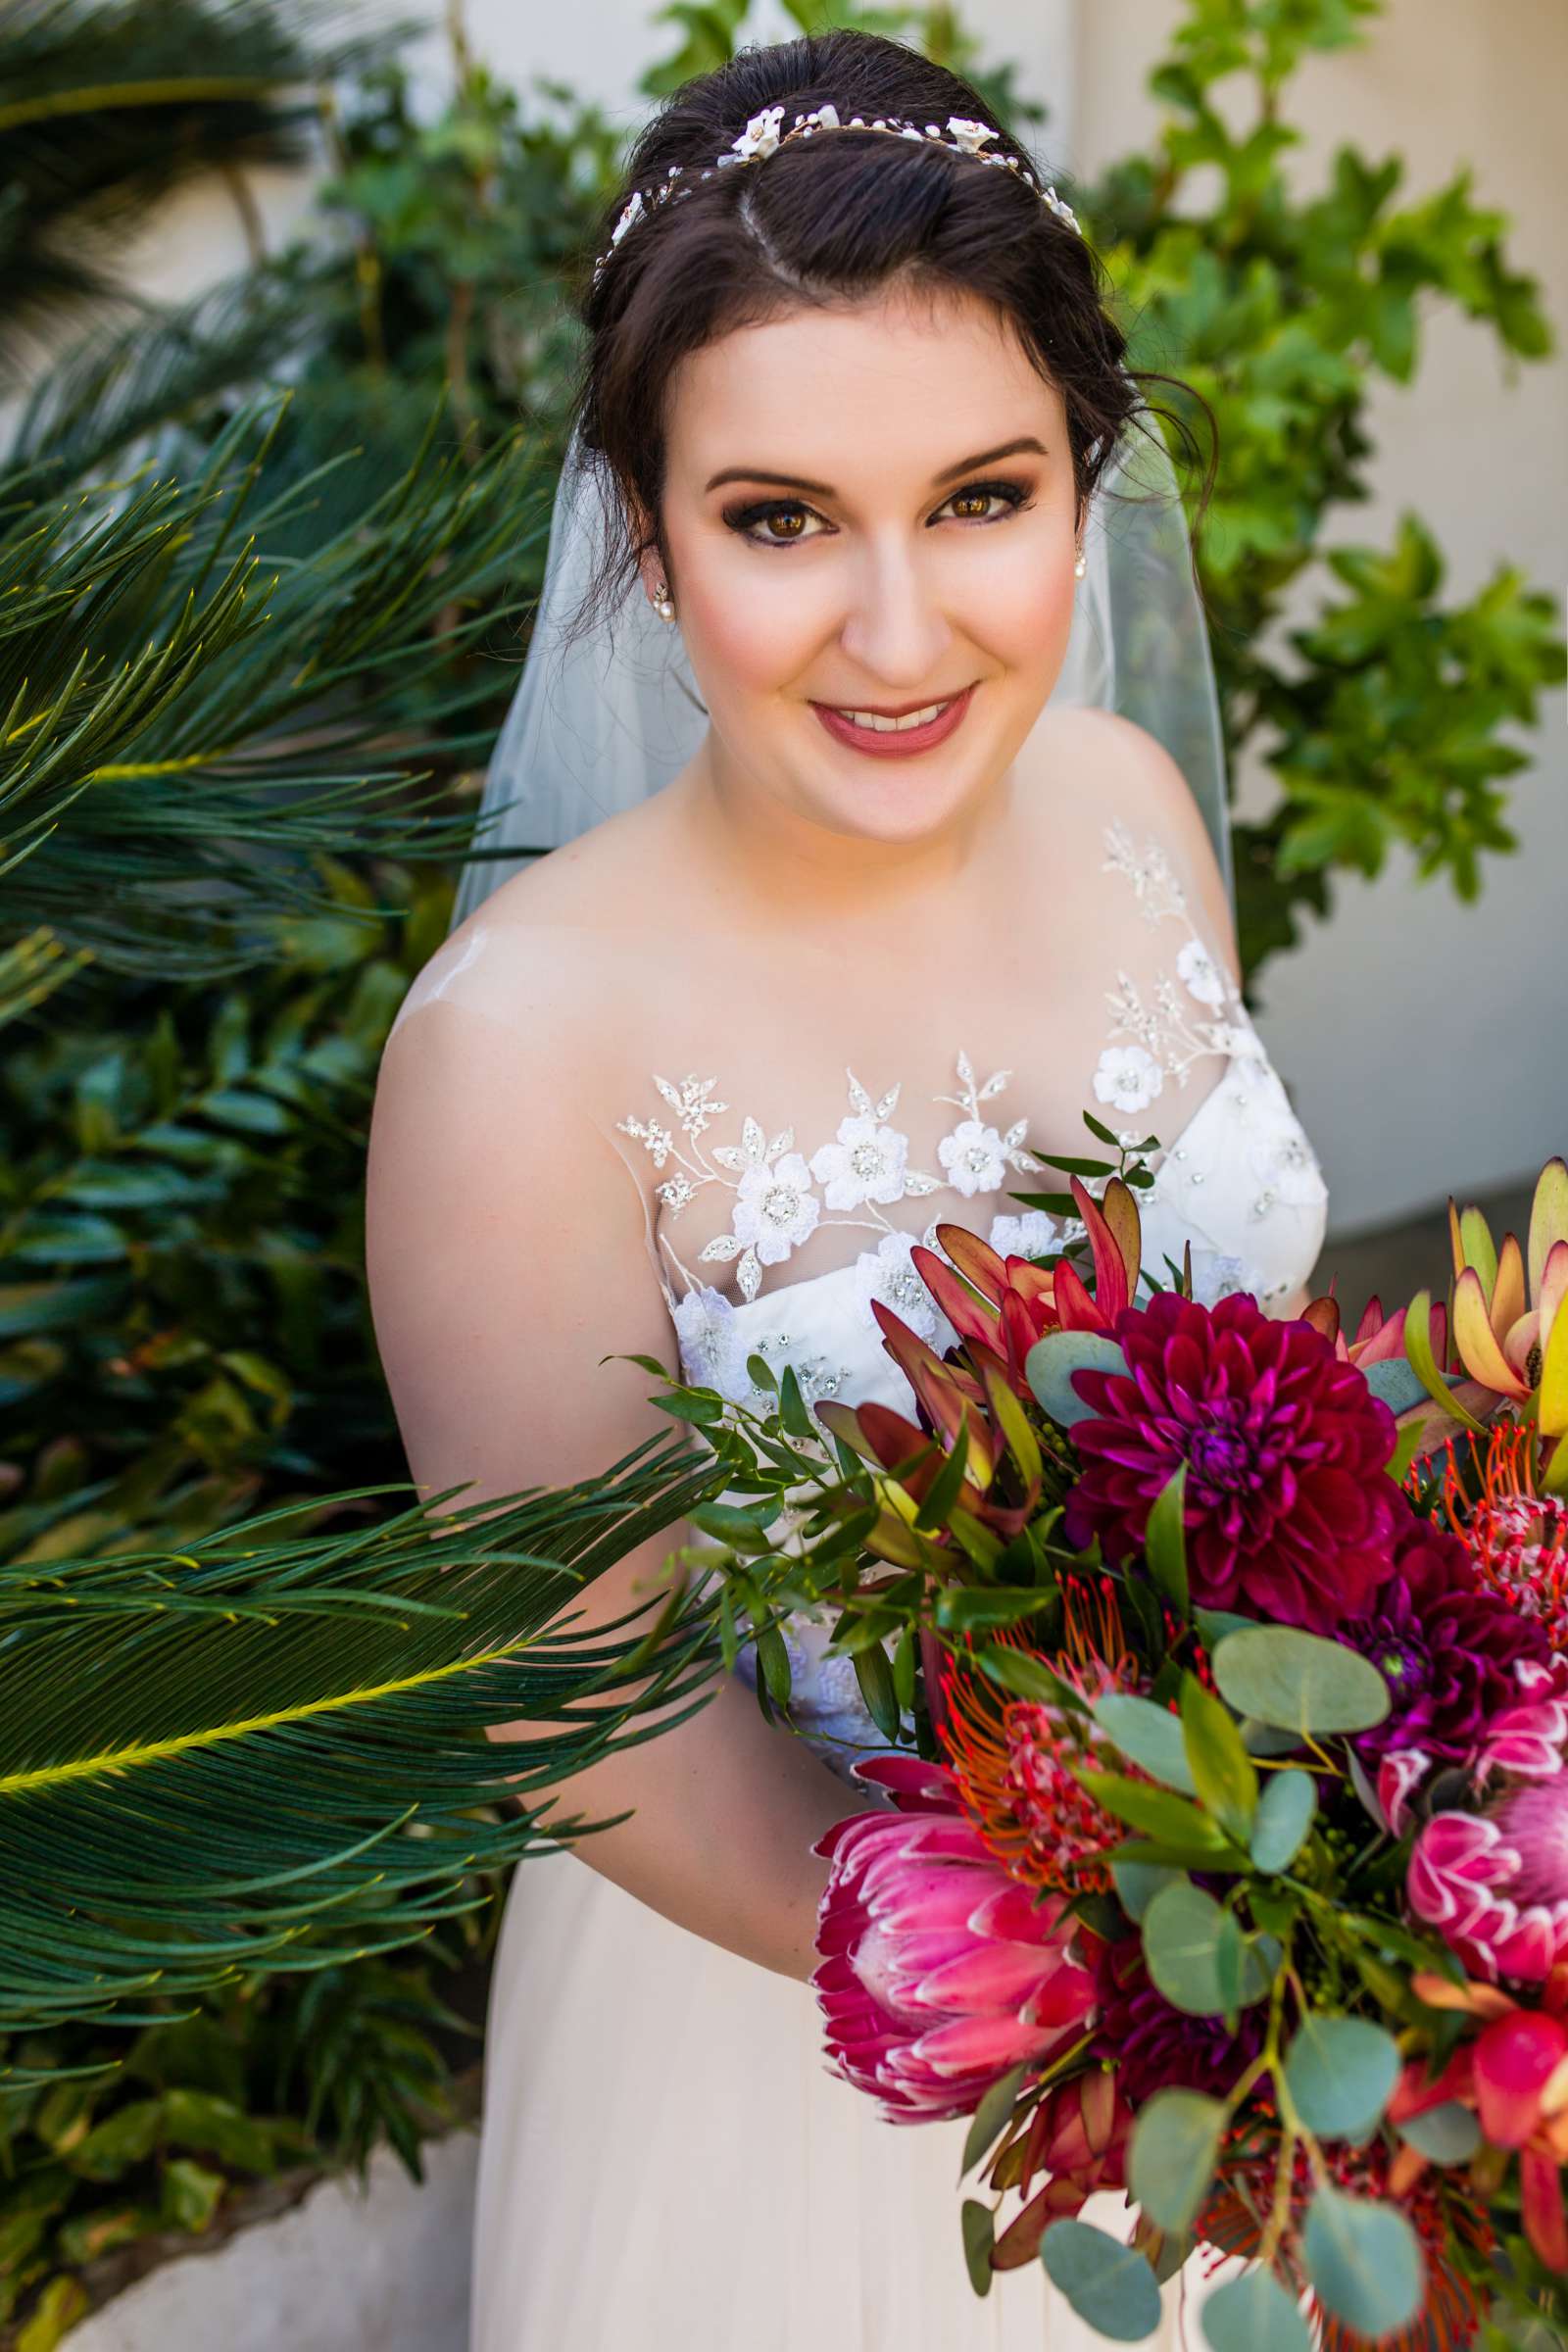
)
(1228, 1862)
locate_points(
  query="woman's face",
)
(869, 509)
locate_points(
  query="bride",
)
(887, 837)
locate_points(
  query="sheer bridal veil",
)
(597, 724)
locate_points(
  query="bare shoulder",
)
(544, 952)
(1119, 767)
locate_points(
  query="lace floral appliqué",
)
(1198, 1012)
(782, 1196)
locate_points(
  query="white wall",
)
(1423, 1039)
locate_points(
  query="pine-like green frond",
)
(273, 1749)
(192, 706)
(106, 105)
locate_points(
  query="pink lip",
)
(885, 743)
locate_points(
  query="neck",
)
(759, 857)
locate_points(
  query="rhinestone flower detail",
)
(775, 1207)
(888, 1273)
(1128, 1076)
(868, 1160)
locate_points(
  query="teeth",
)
(895, 726)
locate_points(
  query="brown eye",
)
(792, 516)
(976, 499)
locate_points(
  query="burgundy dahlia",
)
(1289, 1513)
(1445, 1645)
(1153, 2046)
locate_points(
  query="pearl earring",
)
(1081, 566)
(662, 604)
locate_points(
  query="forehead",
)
(916, 379)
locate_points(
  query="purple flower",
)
(1445, 1647)
(1289, 1513)
(1153, 2046)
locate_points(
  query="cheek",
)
(1025, 613)
(755, 633)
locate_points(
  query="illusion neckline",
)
(1181, 1141)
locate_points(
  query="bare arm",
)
(506, 1254)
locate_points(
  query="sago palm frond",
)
(273, 1749)
(32, 970)
(106, 104)
(163, 367)
(190, 706)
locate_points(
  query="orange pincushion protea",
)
(1437, 2208)
(1014, 1759)
(1517, 1538)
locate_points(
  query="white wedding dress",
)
(669, 2163)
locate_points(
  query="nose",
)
(895, 629)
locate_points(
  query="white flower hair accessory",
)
(763, 138)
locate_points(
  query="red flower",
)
(1289, 1513)
(1016, 1761)
(1514, 2077)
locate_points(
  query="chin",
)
(898, 809)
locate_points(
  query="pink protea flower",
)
(1496, 1881)
(938, 1975)
(1288, 1511)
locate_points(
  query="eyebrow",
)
(797, 481)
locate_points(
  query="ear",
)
(651, 571)
(651, 567)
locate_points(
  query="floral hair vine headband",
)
(762, 137)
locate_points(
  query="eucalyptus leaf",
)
(1284, 1815)
(1138, 1883)
(1109, 2285)
(1052, 1362)
(1254, 2312)
(1364, 2261)
(1342, 2072)
(1397, 1382)
(1147, 1736)
(1171, 2159)
(1186, 1936)
(1446, 2134)
(1298, 1681)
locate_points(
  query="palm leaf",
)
(273, 1749)
(106, 105)
(149, 367)
(32, 970)
(190, 716)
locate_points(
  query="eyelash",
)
(740, 518)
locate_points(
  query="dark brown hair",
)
(827, 220)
